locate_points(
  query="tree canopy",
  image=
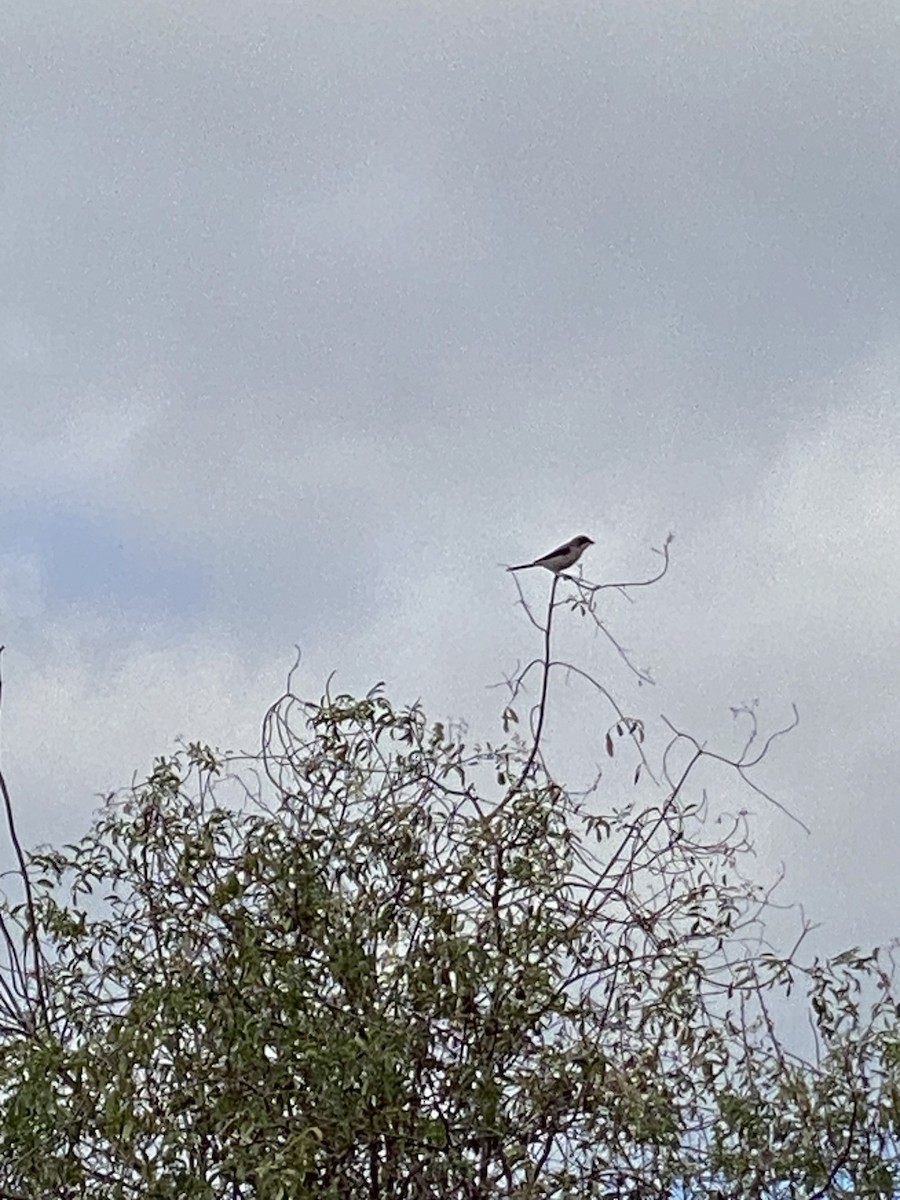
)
(378, 959)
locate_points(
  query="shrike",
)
(561, 558)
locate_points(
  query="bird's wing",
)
(565, 548)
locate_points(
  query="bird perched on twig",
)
(561, 558)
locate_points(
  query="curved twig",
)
(32, 922)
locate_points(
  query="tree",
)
(375, 961)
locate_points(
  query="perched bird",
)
(561, 558)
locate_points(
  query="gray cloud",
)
(313, 316)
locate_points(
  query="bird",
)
(561, 558)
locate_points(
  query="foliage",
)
(377, 961)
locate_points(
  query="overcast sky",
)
(313, 315)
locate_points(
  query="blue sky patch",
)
(92, 561)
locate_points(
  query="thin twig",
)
(26, 883)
